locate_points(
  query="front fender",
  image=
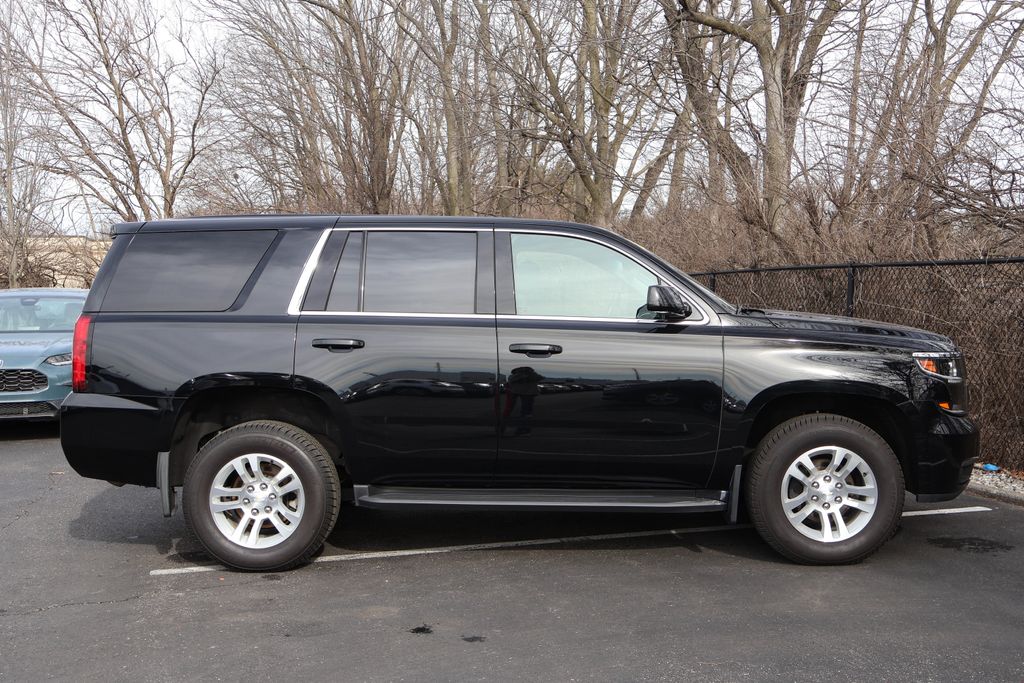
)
(761, 371)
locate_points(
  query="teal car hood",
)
(26, 349)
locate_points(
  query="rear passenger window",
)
(396, 272)
(186, 271)
(420, 272)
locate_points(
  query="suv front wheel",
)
(825, 489)
(262, 496)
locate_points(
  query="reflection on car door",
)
(590, 394)
(400, 324)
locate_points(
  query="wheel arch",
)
(876, 407)
(220, 405)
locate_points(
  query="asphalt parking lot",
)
(96, 584)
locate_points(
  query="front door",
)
(593, 391)
(399, 324)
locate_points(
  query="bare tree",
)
(717, 131)
(786, 38)
(23, 184)
(131, 118)
(597, 74)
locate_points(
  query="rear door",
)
(594, 392)
(399, 324)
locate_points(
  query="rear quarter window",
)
(186, 271)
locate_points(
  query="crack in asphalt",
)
(28, 506)
(59, 605)
(5, 613)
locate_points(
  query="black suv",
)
(274, 366)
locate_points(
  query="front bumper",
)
(945, 452)
(29, 410)
(39, 404)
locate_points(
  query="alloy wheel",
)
(829, 494)
(256, 500)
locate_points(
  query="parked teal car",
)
(36, 326)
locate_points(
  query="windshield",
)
(26, 313)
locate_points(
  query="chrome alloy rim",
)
(829, 494)
(257, 500)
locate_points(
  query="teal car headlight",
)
(59, 359)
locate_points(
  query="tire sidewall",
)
(888, 481)
(216, 455)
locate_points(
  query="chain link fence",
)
(979, 303)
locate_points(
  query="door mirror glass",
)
(667, 301)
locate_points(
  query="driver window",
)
(565, 276)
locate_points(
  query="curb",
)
(994, 493)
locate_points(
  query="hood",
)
(820, 326)
(27, 349)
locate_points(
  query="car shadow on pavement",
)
(360, 530)
(131, 515)
(15, 430)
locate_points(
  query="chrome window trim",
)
(314, 258)
(307, 274)
(582, 319)
(388, 314)
(406, 228)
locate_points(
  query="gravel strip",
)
(999, 485)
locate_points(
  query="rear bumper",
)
(945, 451)
(111, 438)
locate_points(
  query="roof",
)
(321, 221)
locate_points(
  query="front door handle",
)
(338, 345)
(535, 350)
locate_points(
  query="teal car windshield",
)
(39, 313)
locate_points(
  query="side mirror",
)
(662, 299)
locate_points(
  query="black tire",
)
(781, 447)
(311, 464)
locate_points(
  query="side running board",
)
(393, 497)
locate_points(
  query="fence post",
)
(713, 281)
(851, 283)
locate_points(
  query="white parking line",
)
(474, 546)
(385, 554)
(946, 511)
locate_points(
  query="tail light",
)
(79, 352)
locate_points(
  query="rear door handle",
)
(336, 345)
(535, 350)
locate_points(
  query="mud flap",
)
(734, 494)
(168, 496)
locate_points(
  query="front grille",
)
(26, 408)
(22, 380)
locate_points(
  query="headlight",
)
(951, 392)
(59, 359)
(946, 365)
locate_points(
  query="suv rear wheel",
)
(262, 496)
(825, 489)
